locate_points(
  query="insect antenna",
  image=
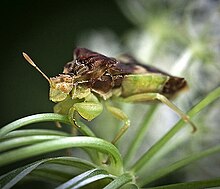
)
(35, 66)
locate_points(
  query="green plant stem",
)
(144, 160)
(67, 142)
(138, 138)
(173, 167)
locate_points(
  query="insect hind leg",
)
(157, 96)
(120, 115)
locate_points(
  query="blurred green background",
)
(181, 37)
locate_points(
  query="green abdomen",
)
(143, 83)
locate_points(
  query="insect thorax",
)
(94, 71)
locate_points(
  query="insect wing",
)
(173, 85)
(88, 64)
(143, 83)
(128, 64)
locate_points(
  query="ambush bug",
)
(92, 78)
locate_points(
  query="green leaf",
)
(138, 138)
(130, 186)
(31, 132)
(120, 181)
(192, 185)
(33, 119)
(43, 118)
(66, 142)
(85, 178)
(177, 165)
(145, 159)
(48, 173)
(22, 141)
(10, 179)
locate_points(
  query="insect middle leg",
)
(119, 114)
(88, 111)
(157, 96)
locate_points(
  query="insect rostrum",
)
(92, 77)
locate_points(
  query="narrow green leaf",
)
(85, 178)
(33, 119)
(192, 185)
(22, 141)
(138, 138)
(43, 118)
(51, 175)
(66, 142)
(130, 186)
(74, 162)
(144, 160)
(10, 179)
(31, 132)
(120, 181)
(175, 166)
(84, 129)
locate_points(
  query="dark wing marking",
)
(88, 64)
(129, 64)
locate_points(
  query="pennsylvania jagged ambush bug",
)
(92, 78)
